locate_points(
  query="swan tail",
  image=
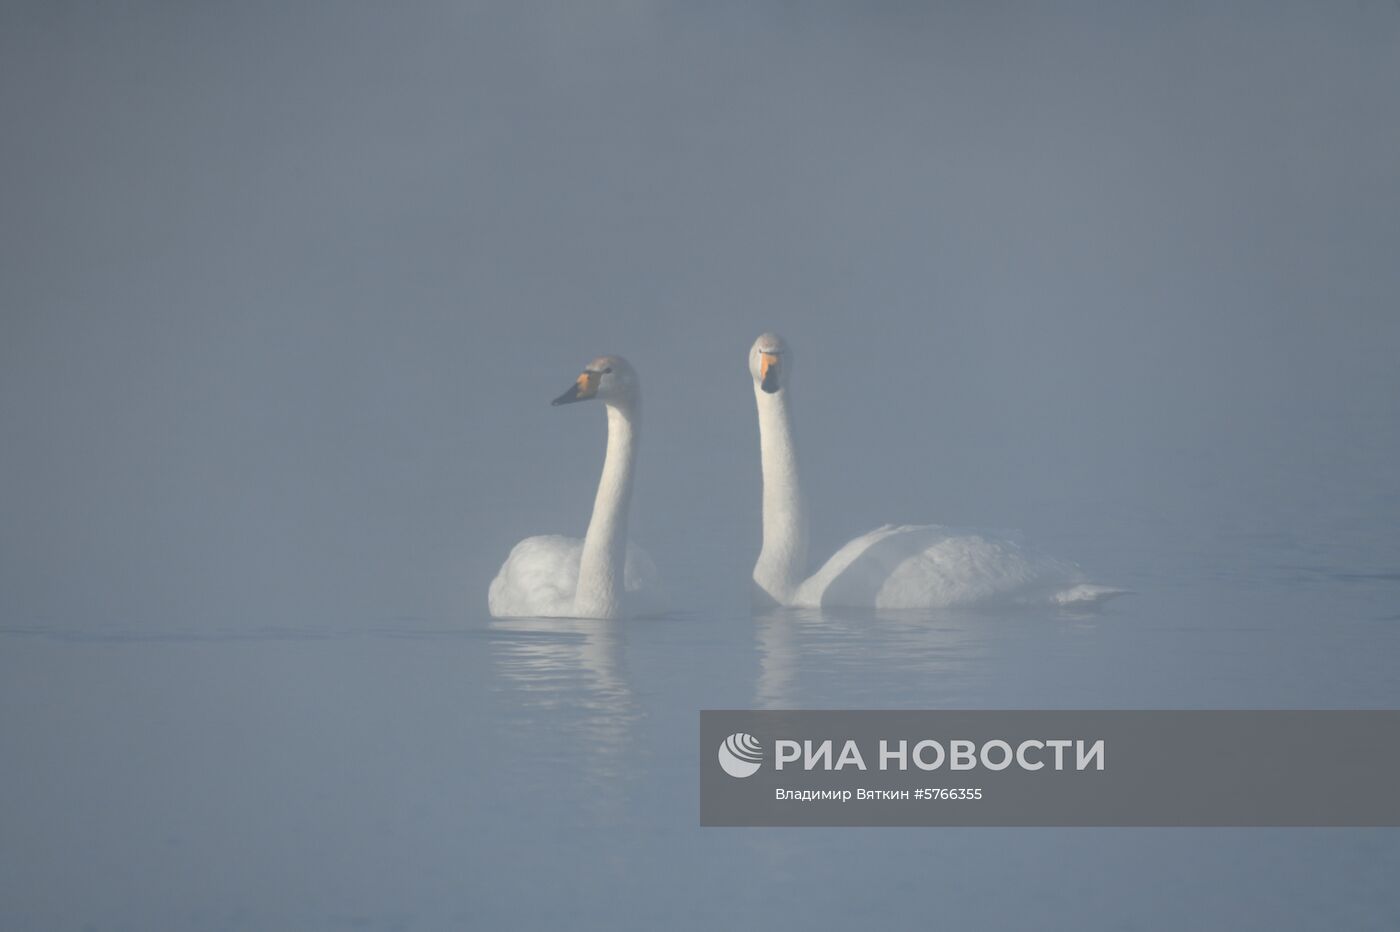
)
(1086, 594)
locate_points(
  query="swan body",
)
(891, 567)
(926, 566)
(602, 575)
(540, 578)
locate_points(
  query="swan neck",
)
(600, 572)
(782, 562)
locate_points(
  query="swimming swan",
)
(891, 567)
(601, 576)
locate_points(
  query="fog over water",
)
(285, 292)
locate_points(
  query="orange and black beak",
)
(768, 370)
(584, 388)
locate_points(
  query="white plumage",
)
(602, 575)
(540, 577)
(925, 566)
(891, 567)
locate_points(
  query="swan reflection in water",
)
(813, 646)
(571, 675)
(932, 658)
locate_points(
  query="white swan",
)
(891, 567)
(601, 576)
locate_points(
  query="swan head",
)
(770, 363)
(610, 379)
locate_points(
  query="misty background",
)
(285, 291)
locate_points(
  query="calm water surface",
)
(541, 773)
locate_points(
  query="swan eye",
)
(607, 370)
